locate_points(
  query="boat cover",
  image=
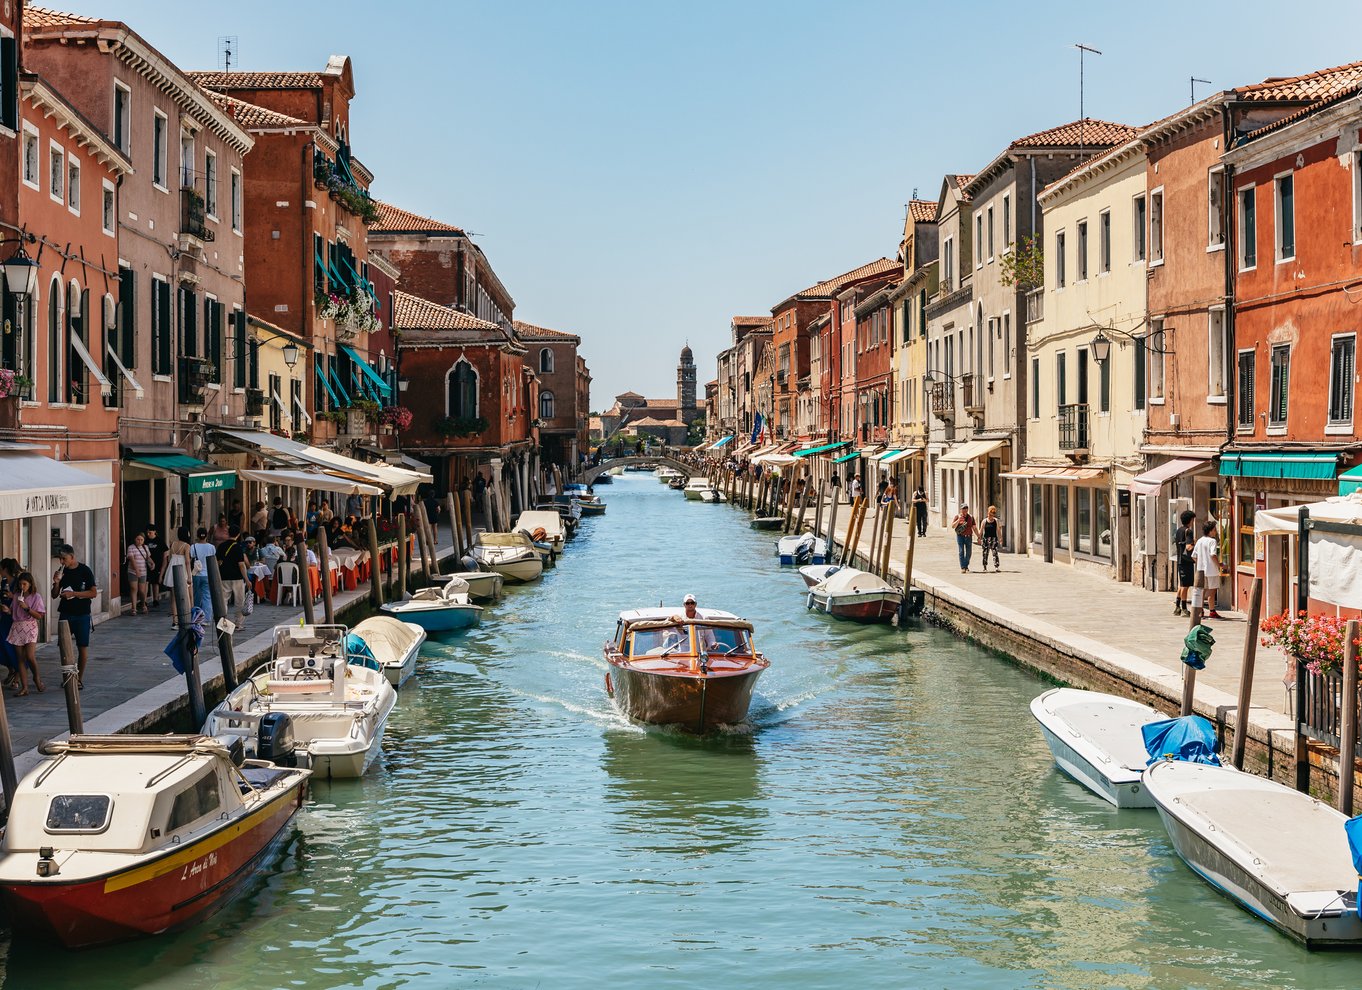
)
(1353, 829)
(848, 580)
(358, 653)
(1190, 739)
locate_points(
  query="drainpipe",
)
(1231, 256)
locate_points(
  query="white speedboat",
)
(512, 555)
(544, 526)
(696, 487)
(1280, 854)
(393, 643)
(814, 574)
(666, 474)
(858, 595)
(713, 496)
(337, 709)
(483, 586)
(801, 549)
(441, 609)
(1096, 739)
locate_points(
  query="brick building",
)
(552, 356)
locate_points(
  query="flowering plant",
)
(398, 416)
(1315, 640)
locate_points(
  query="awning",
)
(321, 376)
(203, 477)
(770, 448)
(105, 386)
(809, 451)
(1152, 480)
(35, 486)
(719, 443)
(970, 451)
(123, 370)
(1335, 559)
(846, 457)
(1350, 480)
(1310, 465)
(393, 480)
(1054, 473)
(311, 480)
(894, 456)
(369, 372)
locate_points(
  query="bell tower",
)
(685, 386)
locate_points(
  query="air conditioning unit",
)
(1175, 421)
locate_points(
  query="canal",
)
(891, 818)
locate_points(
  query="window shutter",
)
(9, 83)
(127, 317)
(163, 310)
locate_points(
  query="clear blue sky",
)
(638, 172)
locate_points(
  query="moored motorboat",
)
(483, 586)
(858, 595)
(394, 643)
(1096, 739)
(1280, 853)
(817, 573)
(713, 496)
(666, 474)
(801, 550)
(606, 477)
(696, 672)
(336, 708)
(677, 482)
(533, 521)
(569, 512)
(512, 555)
(590, 505)
(115, 837)
(441, 609)
(696, 487)
(767, 522)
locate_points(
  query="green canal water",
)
(890, 819)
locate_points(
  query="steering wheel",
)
(311, 674)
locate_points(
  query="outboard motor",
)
(275, 740)
(804, 550)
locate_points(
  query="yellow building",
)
(1086, 348)
(908, 424)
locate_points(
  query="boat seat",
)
(320, 686)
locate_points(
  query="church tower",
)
(685, 387)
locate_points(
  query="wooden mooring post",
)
(1347, 736)
(198, 712)
(1241, 712)
(224, 638)
(421, 547)
(1188, 671)
(403, 558)
(70, 678)
(891, 508)
(324, 559)
(375, 566)
(456, 524)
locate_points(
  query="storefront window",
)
(1062, 516)
(1037, 514)
(1083, 496)
(1247, 549)
(1102, 511)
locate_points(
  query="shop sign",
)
(217, 482)
(46, 503)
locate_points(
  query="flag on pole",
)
(756, 430)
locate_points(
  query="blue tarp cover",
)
(1190, 738)
(358, 653)
(1353, 828)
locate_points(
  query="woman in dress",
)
(138, 560)
(178, 554)
(26, 607)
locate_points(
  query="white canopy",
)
(315, 481)
(1335, 558)
(35, 486)
(775, 460)
(394, 480)
(848, 580)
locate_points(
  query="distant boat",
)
(696, 487)
(1282, 855)
(606, 477)
(801, 549)
(713, 496)
(859, 595)
(511, 555)
(1096, 739)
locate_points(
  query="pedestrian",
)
(920, 509)
(964, 527)
(157, 548)
(836, 484)
(138, 561)
(1184, 539)
(25, 608)
(9, 570)
(310, 519)
(74, 587)
(988, 539)
(433, 514)
(236, 515)
(260, 518)
(232, 563)
(854, 488)
(278, 517)
(176, 565)
(880, 488)
(889, 494)
(199, 553)
(1206, 554)
(222, 529)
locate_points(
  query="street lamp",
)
(21, 273)
(1154, 341)
(1101, 348)
(290, 355)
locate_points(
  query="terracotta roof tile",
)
(41, 17)
(395, 220)
(653, 421)
(248, 115)
(830, 287)
(257, 80)
(414, 313)
(528, 331)
(922, 210)
(752, 321)
(1321, 85)
(1092, 132)
(962, 180)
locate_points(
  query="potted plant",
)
(396, 417)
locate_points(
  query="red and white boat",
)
(116, 837)
(851, 594)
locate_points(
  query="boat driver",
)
(704, 635)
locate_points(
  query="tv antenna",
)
(228, 53)
(1192, 81)
(1082, 50)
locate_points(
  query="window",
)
(1248, 534)
(31, 156)
(1342, 368)
(1104, 242)
(1061, 379)
(213, 312)
(56, 173)
(1245, 405)
(1081, 266)
(187, 160)
(1138, 231)
(73, 185)
(88, 813)
(159, 126)
(1158, 338)
(1141, 392)
(1104, 385)
(54, 341)
(189, 323)
(461, 399)
(1281, 385)
(296, 405)
(9, 81)
(236, 200)
(1248, 228)
(122, 115)
(161, 350)
(992, 335)
(1357, 195)
(1007, 220)
(125, 317)
(109, 209)
(1035, 388)
(1215, 208)
(1061, 276)
(210, 184)
(979, 242)
(240, 349)
(1007, 345)
(1285, 198)
(948, 265)
(1081, 374)
(77, 377)
(990, 233)
(1156, 227)
(1216, 349)
(546, 406)
(274, 401)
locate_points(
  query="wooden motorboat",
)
(1279, 853)
(338, 708)
(544, 527)
(696, 487)
(606, 477)
(858, 595)
(667, 669)
(590, 505)
(677, 482)
(801, 550)
(767, 522)
(817, 573)
(115, 837)
(666, 474)
(512, 555)
(1096, 739)
(393, 643)
(442, 609)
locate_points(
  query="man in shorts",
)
(73, 585)
(1207, 556)
(1184, 539)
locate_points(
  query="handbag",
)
(168, 577)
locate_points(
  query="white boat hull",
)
(523, 571)
(1085, 760)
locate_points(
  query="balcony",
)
(195, 375)
(1035, 306)
(941, 395)
(192, 215)
(970, 397)
(1073, 427)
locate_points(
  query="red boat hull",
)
(172, 891)
(862, 608)
(696, 702)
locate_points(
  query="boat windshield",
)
(712, 639)
(657, 642)
(675, 640)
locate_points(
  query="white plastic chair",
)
(286, 579)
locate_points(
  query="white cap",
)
(688, 600)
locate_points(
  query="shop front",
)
(167, 487)
(970, 474)
(1069, 514)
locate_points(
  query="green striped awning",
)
(1310, 465)
(1350, 480)
(808, 451)
(846, 457)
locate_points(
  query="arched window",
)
(546, 405)
(54, 340)
(461, 391)
(546, 361)
(77, 377)
(104, 354)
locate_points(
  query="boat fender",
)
(539, 534)
(609, 686)
(809, 602)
